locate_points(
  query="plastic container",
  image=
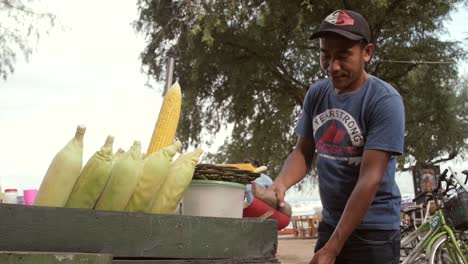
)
(11, 196)
(214, 198)
(258, 207)
(29, 196)
(20, 200)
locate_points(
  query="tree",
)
(19, 31)
(249, 63)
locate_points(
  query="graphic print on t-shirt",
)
(338, 136)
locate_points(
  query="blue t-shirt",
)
(342, 127)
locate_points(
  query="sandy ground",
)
(295, 251)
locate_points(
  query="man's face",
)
(344, 60)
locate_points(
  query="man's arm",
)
(373, 166)
(294, 168)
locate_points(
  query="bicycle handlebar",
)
(448, 189)
(420, 196)
(441, 178)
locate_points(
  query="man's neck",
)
(353, 87)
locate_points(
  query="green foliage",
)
(20, 28)
(249, 63)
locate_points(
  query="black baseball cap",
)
(346, 23)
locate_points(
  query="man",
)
(355, 123)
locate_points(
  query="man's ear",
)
(368, 51)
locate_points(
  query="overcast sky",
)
(87, 71)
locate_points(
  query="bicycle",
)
(434, 241)
(412, 217)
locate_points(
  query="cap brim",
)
(340, 32)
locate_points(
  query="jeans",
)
(364, 246)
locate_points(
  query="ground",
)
(295, 251)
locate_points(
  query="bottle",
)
(11, 196)
(20, 200)
(2, 195)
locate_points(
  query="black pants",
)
(364, 246)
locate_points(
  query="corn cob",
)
(155, 170)
(165, 129)
(261, 169)
(176, 183)
(93, 178)
(241, 166)
(122, 180)
(62, 173)
(118, 154)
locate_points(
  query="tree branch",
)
(298, 94)
(25, 10)
(290, 77)
(378, 26)
(451, 156)
(403, 73)
(282, 75)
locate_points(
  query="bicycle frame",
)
(435, 227)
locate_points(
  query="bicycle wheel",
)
(405, 230)
(411, 249)
(440, 253)
(406, 249)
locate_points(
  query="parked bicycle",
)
(441, 239)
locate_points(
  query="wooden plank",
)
(32, 228)
(197, 261)
(10, 257)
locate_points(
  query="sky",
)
(87, 71)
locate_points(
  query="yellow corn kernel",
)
(241, 166)
(165, 129)
(261, 169)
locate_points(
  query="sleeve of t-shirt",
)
(304, 126)
(386, 129)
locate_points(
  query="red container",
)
(258, 207)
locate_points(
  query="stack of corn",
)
(128, 181)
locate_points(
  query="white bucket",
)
(214, 198)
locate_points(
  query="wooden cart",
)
(49, 235)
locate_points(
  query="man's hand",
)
(323, 256)
(294, 168)
(280, 190)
